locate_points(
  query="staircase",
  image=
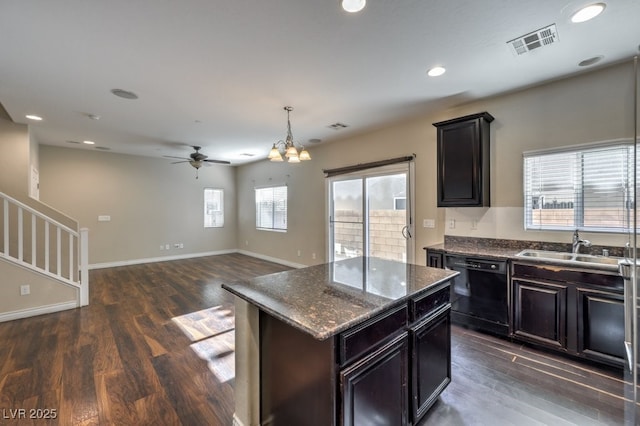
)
(39, 243)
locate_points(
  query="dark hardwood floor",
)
(155, 347)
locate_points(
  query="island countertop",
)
(323, 300)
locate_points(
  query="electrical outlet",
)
(313, 255)
(428, 223)
(25, 290)
(299, 253)
(167, 247)
(452, 223)
(181, 245)
(474, 225)
(246, 242)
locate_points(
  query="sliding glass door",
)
(370, 214)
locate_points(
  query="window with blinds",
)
(587, 188)
(271, 208)
(213, 208)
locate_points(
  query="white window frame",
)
(213, 211)
(624, 201)
(276, 218)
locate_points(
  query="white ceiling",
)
(218, 73)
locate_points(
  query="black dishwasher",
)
(480, 294)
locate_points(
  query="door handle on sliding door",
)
(405, 232)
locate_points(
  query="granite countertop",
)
(476, 250)
(323, 300)
(507, 249)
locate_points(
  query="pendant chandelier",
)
(294, 154)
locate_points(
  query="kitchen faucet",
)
(577, 242)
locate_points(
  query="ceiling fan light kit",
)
(291, 152)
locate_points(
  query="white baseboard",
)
(236, 421)
(40, 310)
(193, 255)
(272, 259)
(158, 259)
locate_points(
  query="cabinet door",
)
(601, 326)
(463, 161)
(434, 259)
(540, 312)
(374, 389)
(431, 361)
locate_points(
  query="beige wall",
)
(590, 107)
(45, 293)
(151, 203)
(16, 158)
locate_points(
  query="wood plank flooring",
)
(139, 354)
(155, 347)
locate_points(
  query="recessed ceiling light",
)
(588, 12)
(124, 94)
(436, 71)
(353, 6)
(590, 61)
(33, 117)
(88, 142)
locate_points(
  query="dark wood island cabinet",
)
(353, 342)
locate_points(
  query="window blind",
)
(585, 188)
(271, 208)
(213, 208)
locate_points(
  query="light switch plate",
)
(104, 218)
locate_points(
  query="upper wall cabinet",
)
(463, 161)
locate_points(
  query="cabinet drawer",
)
(371, 333)
(422, 306)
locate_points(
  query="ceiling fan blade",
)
(184, 161)
(218, 161)
(179, 158)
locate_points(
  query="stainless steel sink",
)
(587, 260)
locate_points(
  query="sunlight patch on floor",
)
(212, 333)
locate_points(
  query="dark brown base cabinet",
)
(374, 390)
(431, 361)
(578, 312)
(600, 329)
(540, 312)
(435, 258)
(388, 370)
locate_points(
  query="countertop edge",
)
(344, 326)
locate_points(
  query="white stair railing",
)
(40, 243)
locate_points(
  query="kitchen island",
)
(357, 341)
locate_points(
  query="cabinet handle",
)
(628, 324)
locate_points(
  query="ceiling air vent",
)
(338, 126)
(539, 38)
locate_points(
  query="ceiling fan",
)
(197, 159)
